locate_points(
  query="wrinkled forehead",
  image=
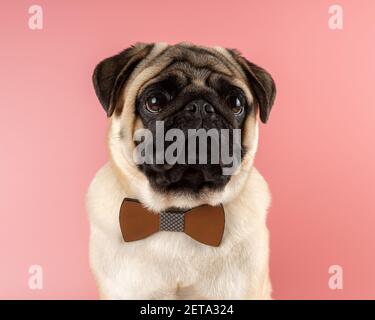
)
(184, 64)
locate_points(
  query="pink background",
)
(316, 152)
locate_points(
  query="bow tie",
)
(203, 223)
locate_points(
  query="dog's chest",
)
(171, 265)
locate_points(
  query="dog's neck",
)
(159, 202)
(166, 210)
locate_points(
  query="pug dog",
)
(180, 230)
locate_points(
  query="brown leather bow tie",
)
(204, 223)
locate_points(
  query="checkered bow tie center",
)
(204, 224)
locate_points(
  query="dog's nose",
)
(199, 106)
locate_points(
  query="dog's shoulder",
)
(104, 197)
(259, 187)
(252, 203)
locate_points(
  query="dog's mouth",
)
(192, 170)
(185, 177)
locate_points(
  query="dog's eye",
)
(156, 101)
(237, 103)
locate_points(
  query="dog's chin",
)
(191, 180)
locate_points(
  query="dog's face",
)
(185, 87)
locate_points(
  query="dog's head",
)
(189, 89)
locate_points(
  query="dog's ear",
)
(260, 82)
(111, 74)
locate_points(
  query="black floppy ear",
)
(261, 83)
(111, 74)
